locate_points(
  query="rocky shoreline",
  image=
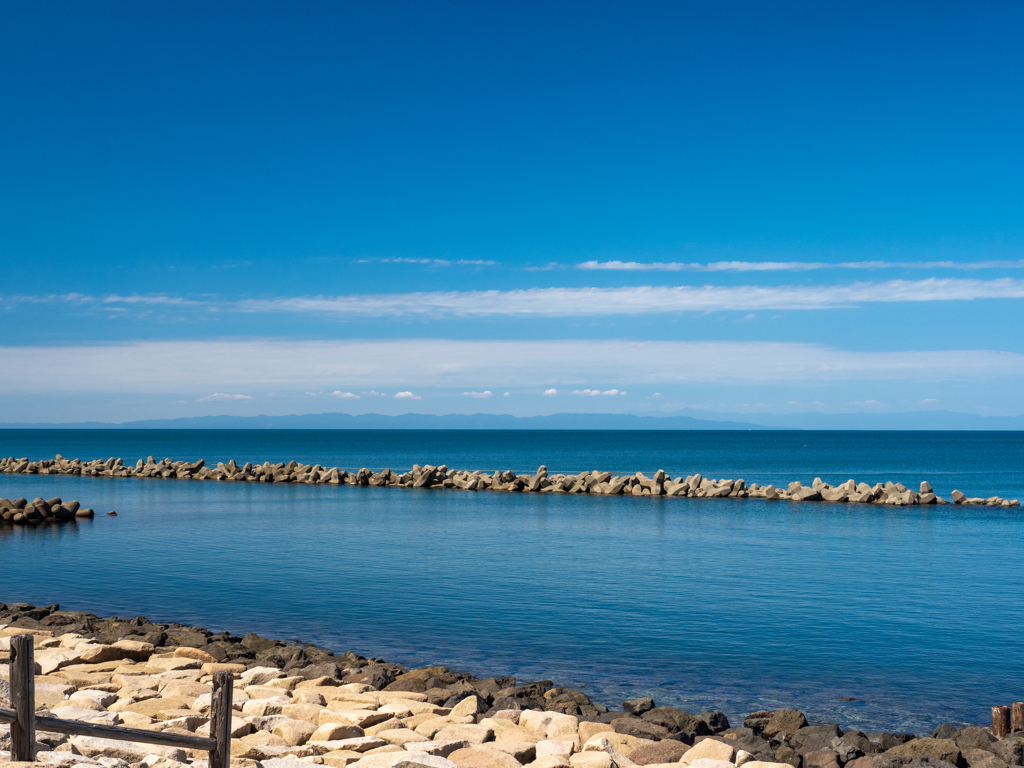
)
(297, 703)
(441, 477)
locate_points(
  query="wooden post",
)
(23, 697)
(1000, 721)
(220, 719)
(1017, 716)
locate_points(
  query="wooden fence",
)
(24, 722)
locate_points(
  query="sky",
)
(524, 208)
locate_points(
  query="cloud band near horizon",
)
(470, 366)
(579, 302)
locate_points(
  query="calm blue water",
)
(733, 605)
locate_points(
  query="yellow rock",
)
(361, 717)
(308, 712)
(708, 748)
(478, 757)
(516, 733)
(152, 707)
(294, 732)
(194, 653)
(588, 731)
(336, 732)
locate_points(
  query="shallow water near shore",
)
(705, 604)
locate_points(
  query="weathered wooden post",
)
(220, 719)
(1000, 721)
(23, 698)
(1017, 716)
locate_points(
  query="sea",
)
(873, 617)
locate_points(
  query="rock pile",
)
(428, 476)
(295, 703)
(38, 511)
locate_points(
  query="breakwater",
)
(39, 510)
(442, 477)
(299, 703)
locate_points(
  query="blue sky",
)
(269, 208)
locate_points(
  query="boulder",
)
(940, 749)
(638, 706)
(717, 721)
(973, 737)
(477, 757)
(811, 738)
(667, 751)
(294, 732)
(336, 732)
(676, 721)
(785, 720)
(474, 734)
(633, 726)
(981, 758)
(592, 759)
(402, 760)
(708, 749)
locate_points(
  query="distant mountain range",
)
(693, 420)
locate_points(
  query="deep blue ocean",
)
(915, 613)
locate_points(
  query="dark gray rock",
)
(634, 726)
(676, 721)
(811, 738)
(786, 754)
(889, 740)
(788, 720)
(666, 751)
(973, 737)
(638, 706)
(717, 721)
(939, 749)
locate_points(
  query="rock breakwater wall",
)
(297, 704)
(441, 477)
(24, 512)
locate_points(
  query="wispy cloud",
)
(344, 395)
(790, 266)
(641, 300)
(597, 392)
(406, 396)
(217, 396)
(578, 302)
(479, 395)
(550, 366)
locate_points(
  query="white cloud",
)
(183, 367)
(639, 300)
(478, 395)
(344, 395)
(930, 400)
(655, 396)
(596, 392)
(477, 262)
(790, 266)
(216, 396)
(508, 394)
(407, 396)
(581, 302)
